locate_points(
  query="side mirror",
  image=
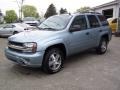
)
(75, 28)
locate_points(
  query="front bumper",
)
(30, 60)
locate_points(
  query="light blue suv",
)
(58, 37)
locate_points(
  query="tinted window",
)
(80, 21)
(103, 20)
(93, 21)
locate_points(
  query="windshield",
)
(55, 22)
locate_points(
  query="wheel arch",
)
(60, 46)
(105, 36)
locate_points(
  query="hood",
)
(32, 36)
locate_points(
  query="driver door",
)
(79, 36)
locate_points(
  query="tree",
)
(84, 9)
(37, 15)
(63, 11)
(50, 11)
(29, 11)
(11, 16)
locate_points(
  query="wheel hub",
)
(55, 61)
(104, 46)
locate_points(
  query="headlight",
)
(30, 47)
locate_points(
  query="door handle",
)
(87, 33)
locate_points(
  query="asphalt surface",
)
(85, 71)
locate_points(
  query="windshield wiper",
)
(46, 28)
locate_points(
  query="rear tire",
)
(102, 48)
(53, 61)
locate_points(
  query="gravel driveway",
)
(85, 71)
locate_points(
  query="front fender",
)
(44, 45)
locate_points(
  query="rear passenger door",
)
(104, 25)
(94, 28)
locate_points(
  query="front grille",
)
(15, 43)
(15, 46)
(16, 50)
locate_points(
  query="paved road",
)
(85, 71)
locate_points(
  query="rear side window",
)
(103, 20)
(93, 21)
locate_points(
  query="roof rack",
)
(91, 12)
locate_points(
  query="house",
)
(109, 10)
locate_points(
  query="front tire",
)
(102, 48)
(53, 61)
